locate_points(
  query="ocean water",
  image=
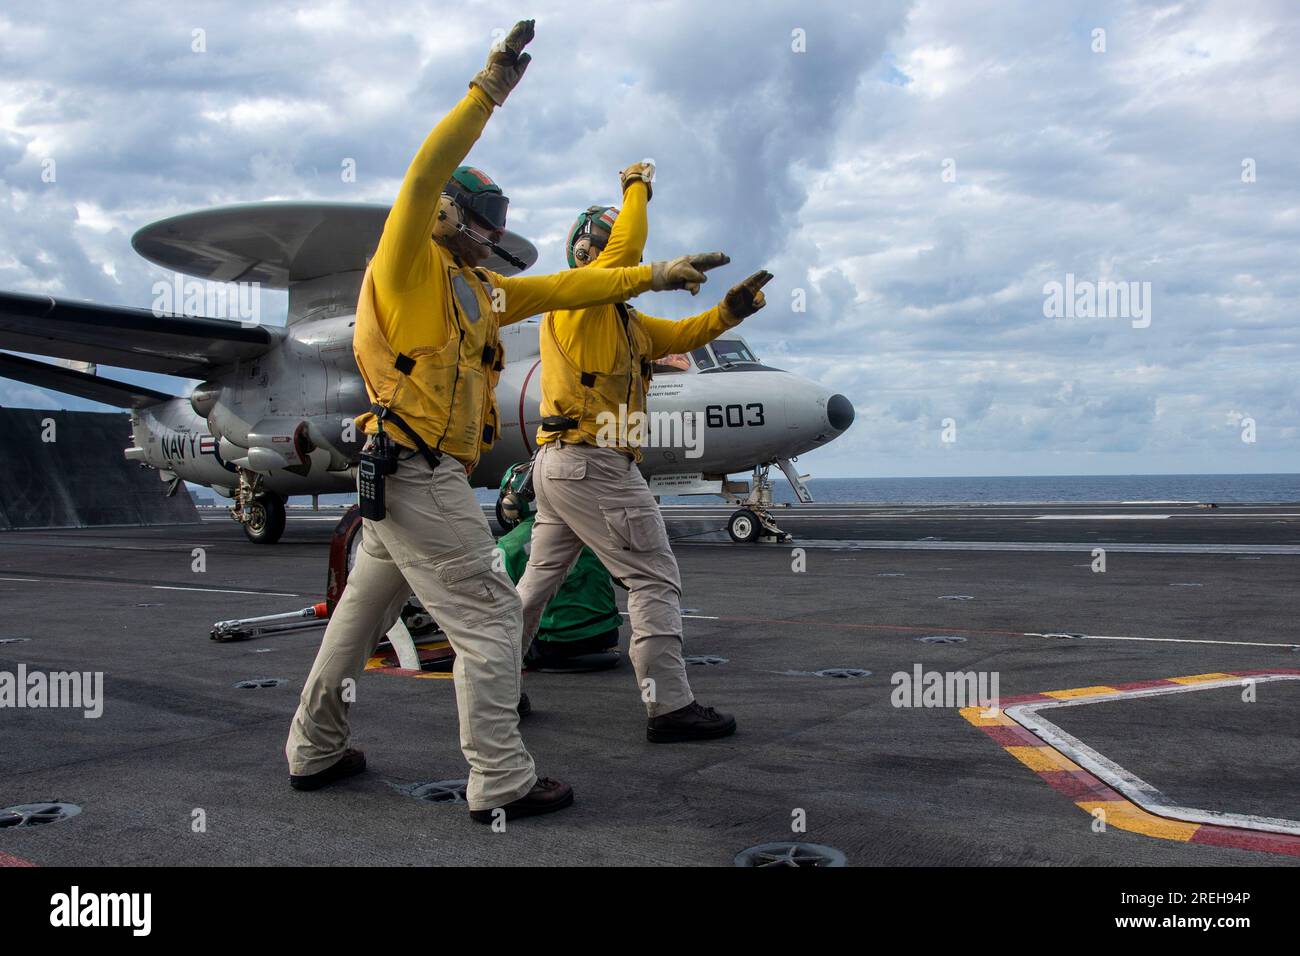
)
(1217, 488)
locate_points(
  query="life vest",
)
(447, 394)
(583, 394)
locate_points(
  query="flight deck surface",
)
(1202, 602)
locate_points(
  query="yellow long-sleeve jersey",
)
(596, 359)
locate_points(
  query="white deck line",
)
(1129, 784)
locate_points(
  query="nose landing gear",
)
(754, 521)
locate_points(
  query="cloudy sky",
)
(916, 173)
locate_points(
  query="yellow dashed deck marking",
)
(1080, 692)
(1200, 678)
(977, 716)
(1042, 758)
(1126, 816)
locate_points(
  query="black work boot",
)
(350, 764)
(525, 705)
(547, 796)
(691, 722)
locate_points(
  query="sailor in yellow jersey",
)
(427, 344)
(596, 365)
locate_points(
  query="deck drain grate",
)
(942, 639)
(36, 814)
(256, 682)
(790, 855)
(704, 660)
(440, 791)
(843, 673)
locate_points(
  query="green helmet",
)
(596, 222)
(474, 191)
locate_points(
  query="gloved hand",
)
(746, 298)
(506, 63)
(639, 172)
(685, 272)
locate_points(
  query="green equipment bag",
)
(583, 616)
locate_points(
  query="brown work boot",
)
(350, 764)
(691, 722)
(547, 796)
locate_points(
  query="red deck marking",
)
(1012, 736)
(7, 860)
(1247, 840)
(1023, 699)
(1079, 785)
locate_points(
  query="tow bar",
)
(242, 629)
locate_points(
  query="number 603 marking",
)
(734, 416)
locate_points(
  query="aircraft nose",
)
(839, 412)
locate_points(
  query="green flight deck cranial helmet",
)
(470, 200)
(590, 230)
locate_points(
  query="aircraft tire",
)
(267, 524)
(744, 526)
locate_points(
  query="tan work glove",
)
(746, 298)
(685, 272)
(506, 63)
(642, 172)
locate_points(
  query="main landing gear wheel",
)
(265, 520)
(744, 526)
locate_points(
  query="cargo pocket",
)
(469, 596)
(633, 527)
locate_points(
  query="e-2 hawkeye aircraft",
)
(273, 414)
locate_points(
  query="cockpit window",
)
(672, 363)
(702, 358)
(733, 352)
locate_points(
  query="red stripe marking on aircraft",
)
(7, 860)
(523, 393)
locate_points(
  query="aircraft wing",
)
(83, 385)
(125, 337)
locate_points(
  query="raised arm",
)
(404, 245)
(627, 238)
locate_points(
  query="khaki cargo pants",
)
(435, 542)
(597, 497)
